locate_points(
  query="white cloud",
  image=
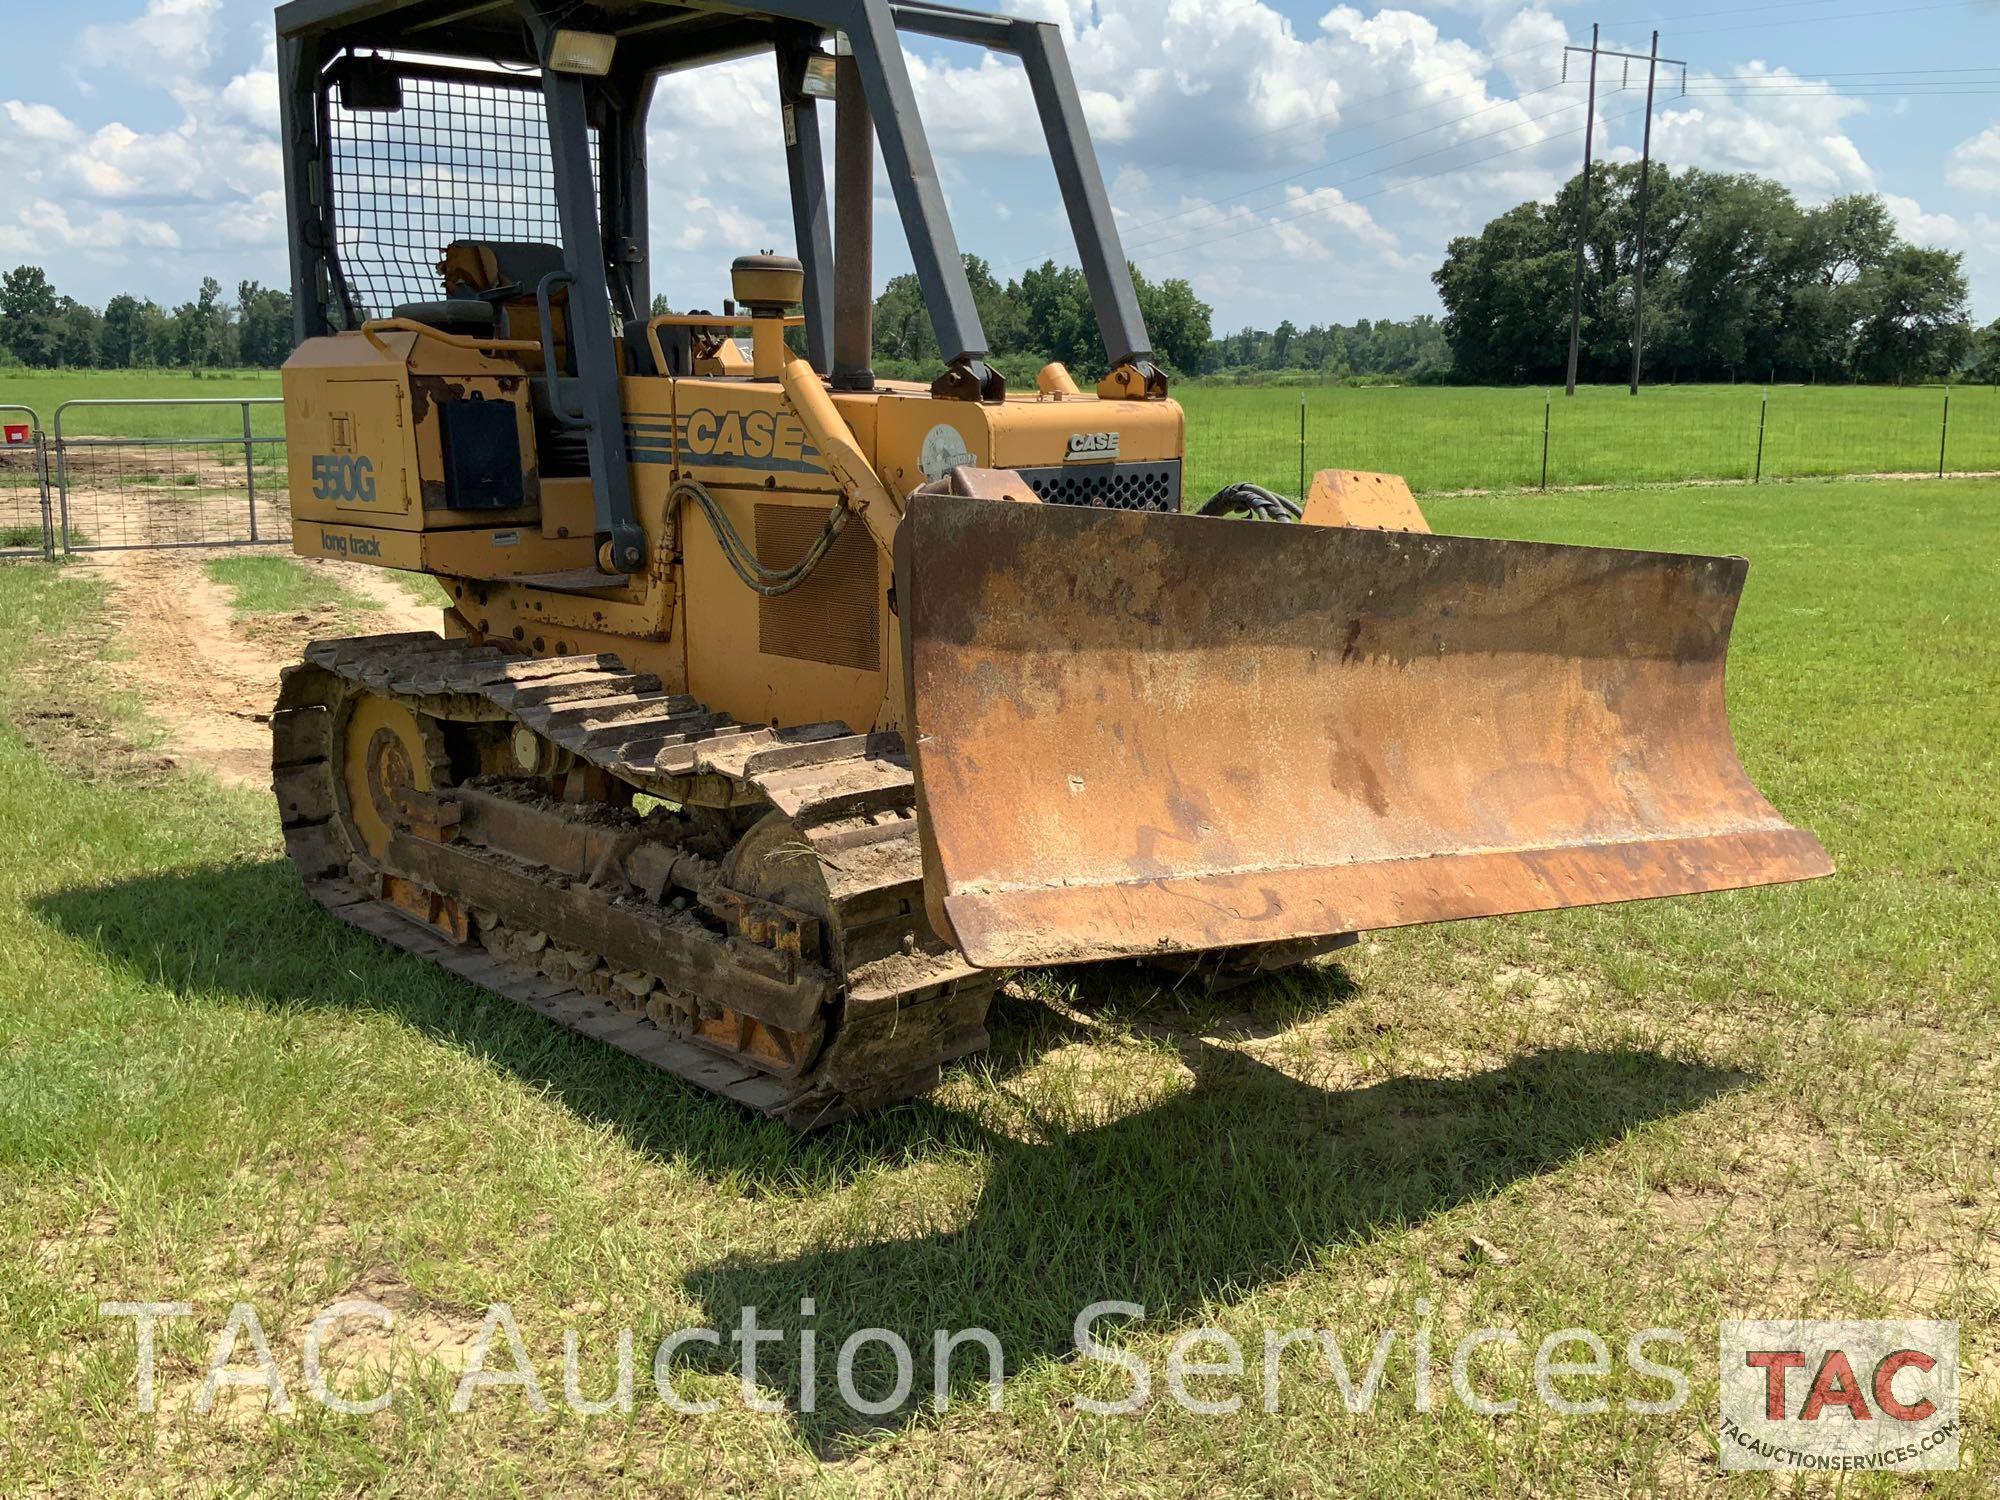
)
(40, 124)
(1239, 137)
(150, 205)
(1775, 124)
(42, 225)
(177, 34)
(1921, 228)
(252, 96)
(1975, 163)
(717, 168)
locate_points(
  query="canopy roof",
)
(652, 34)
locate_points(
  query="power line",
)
(1397, 166)
(1345, 105)
(1697, 92)
(1852, 15)
(1343, 160)
(1264, 225)
(1702, 15)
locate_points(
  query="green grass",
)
(423, 588)
(43, 391)
(265, 585)
(1440, 438)
(1445, 438)
(1767, 1103)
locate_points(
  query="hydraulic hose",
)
(770, 582)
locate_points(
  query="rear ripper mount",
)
(740, 906)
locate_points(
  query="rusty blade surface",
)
(1138, 733)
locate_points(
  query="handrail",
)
(700, 320)
(375, 327)
(551, 366)
(710, 320)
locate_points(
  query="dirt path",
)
(208, 683)
(399, 611)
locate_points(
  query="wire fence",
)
(169, 473)
(25, 527)
(1444, 439)
(180, 472)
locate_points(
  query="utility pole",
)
(1583, 232)
(1645, 201)
(1652, 60)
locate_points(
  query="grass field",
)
(1769, 1103)
(1444, 438)
(1440, 438)
(43, 391)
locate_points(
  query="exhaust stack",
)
(853, 228)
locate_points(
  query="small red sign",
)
(14, 434)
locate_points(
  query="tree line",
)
(1740, 281)
(43, 329)
(1046, 314)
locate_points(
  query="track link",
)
(804, 1017)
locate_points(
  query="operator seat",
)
(489, 291)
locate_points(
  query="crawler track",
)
(761, 933)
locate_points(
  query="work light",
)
(587, 52)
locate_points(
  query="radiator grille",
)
(835, 616)
(1110, 486)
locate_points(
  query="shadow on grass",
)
(250, 930)
(1202, 1196)
(1223, 1188)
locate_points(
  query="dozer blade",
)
(1137, 733)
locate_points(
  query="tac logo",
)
(343, 477)
(1094, 445)
(1839, 1396)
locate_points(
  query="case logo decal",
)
(763, 440)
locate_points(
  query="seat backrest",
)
(484, 268)
(506, 273)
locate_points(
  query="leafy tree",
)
(1983, 360)
(1057, 318)
(1046, 314)
(263, 324)
(30, 317)
(1739, 279)
(77, 334)
(118, 339)
(903, 321)
(1180, 324)
(1915, 324)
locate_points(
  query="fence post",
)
(1763, 416)
(1944, 428)
(1302, 447)
(250, 469)
(62, 478)
(42, 483)
(1548, 404)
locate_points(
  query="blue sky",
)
(1290, 158)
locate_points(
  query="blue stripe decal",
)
(760, 441)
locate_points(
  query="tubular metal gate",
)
(172, 472)
(26, 525)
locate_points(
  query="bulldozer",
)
(780, 709)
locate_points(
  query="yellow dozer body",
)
(778, 710)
